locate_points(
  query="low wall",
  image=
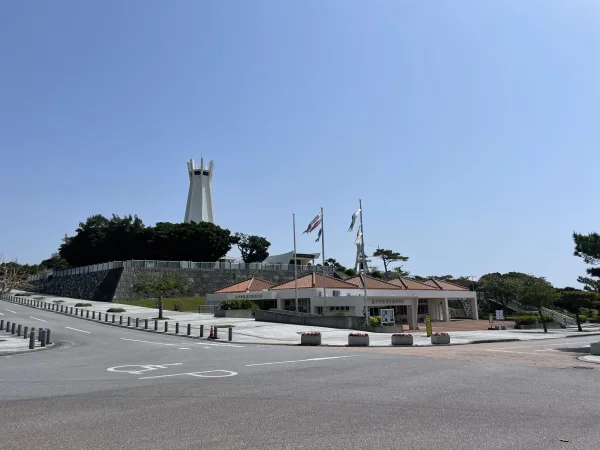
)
(235, 313)
(96, 286)
(280, 316)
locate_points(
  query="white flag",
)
(354, 216)
(358, 234)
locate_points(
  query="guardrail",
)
(155, 264)
(103, 317)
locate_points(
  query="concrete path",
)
(249, 331)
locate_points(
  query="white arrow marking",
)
(228, 373)
(299, 360)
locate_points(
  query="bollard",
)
(71, 310)
(106, 317)
(137, 322)
(76, 312)
(19, 330)
(113, 318)
(156, 325)
(8, 326)
(40, 334)
(1, 325)
(31, 340)
(87, 314)
(166, 326)
(48, 336)
(189, 330)
(201, 330)
(81, 314)
(129, 321)
(145, 324)
(230, 333)
(176, 328)
(93, 314)
(216, 328)
(12, 328)
(25, 332)
(62, 308)
(43, 339)
(120, 320)
(52, 307)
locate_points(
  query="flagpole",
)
(362, 269)
(323, 254)
(295, 262)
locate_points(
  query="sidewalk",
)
(249, 331)
(10, 344)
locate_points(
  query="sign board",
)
(428, 324)
(499, 314)
(391, 301)
(387, 316)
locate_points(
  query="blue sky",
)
(468, 128)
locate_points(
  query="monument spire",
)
(199, 206)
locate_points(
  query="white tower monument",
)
(199, 202)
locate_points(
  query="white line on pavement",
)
(14, 312)
(223, 344)
(149, 342)
(1, 314)
(299, 360)
(35, 318)
(76, 329)
(508, 351)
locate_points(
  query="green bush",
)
(583, 318)
(547, 319)
(23, 295)
(338, 314)
(228, 305)
(374, 321)
(81, 305)
(58, 301)
(115, 310)
(525, 320)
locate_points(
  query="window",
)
(319, 310)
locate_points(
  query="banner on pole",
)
(428, 325)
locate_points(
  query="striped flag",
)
(354, 216)
(319, 236)
(313, 224)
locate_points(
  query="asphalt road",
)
(186, 394)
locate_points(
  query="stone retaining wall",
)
(97, 286)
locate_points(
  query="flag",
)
(319, 236)
(354, 216)
(313, 224)
(358, 234)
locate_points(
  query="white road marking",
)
(221, 344)
(509, 351)
(1, 314)
(35, 318)
(10, 310)
(155, 343)
(76, 329)
(228, 373)
(145, 368)
(183, 348)
(299, 360)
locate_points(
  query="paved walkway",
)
(252, 332)
(10, 343)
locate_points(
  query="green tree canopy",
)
(253, 248)
(539, 293)
(504, 288)
(100, 239)
(160, 284)
(587, 246)
(332, 262)
(574, 300)
(400, 271)
(388, 257)
(55, 262)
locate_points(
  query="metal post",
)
(166, 326)
(31, 340)
(230, 334)
(99, 315)
(120, 320)
(1, 325)
(87, 314)
(364, 264)
(40, 334)
(43, 338)
(113, 318)
(295, 263)
(81, 312)
(323, 257)
(189, 329)
(71, 310)
(76, 312)
(48, 336)
(137, 322)
(62, 308)
(156, 325)
(106, 317)
(201, 330)
(25, 332)
(128, 321)
(145, 324)
(19, 330)
(8, 326)
(216, 328)
(177, 328)
(94, 315)
(12, 328)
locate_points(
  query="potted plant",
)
(310, 338)
(440, 338)
(358, 340)
(402, 339)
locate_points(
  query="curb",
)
(37, 349)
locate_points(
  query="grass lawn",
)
(187, 303)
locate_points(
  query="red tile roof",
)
(372, 283)
(315, 281)
(250, 285)
(408, 283)
(444, 285)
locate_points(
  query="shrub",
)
(227, 325)
(228, 305)
(374, 321)
(58, 301)
(402, 334)
(583, 318)
(440, 334)
(525, 320)
(115, 310)
(358, 334)
(24, 294)
(311, 333)
(81, 305)
(338, 314)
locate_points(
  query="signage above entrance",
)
(391, 301)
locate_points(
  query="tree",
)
(253, 248)
(160, 284)
(587, 246)
(504, 289)
(332, 262)
(443, 277)
(574, 300)
(388, 257)
(55, 262)
(539, 293)
(350, 272)
(400, 271)
(14, 275)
